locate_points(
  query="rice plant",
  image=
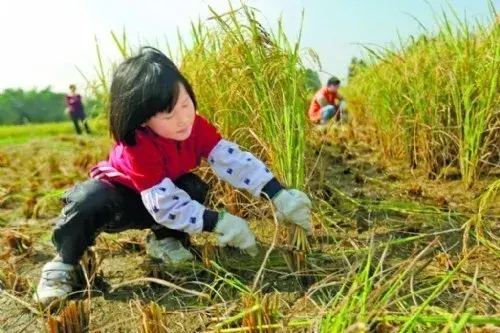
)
(435, 99)
(74, 318)
(252, 85)
(153, 319)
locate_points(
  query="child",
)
(326, 102)
(147, 184)
(75, 110)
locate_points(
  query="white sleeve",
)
(173, 208)
(240, 169)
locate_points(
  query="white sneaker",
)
(56, 282)
(169, 250)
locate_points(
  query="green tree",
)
(313, 82)
(18, 106)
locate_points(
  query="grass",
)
(435, 99)
(18, 134)
(21, 134)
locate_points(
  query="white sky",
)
(43, 41)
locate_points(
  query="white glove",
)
(343, 105)
(294, 206)
(234, 231)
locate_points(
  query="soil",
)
(361, 199)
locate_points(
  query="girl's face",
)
(177, 124)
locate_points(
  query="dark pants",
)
(96, 206)
(76, 117)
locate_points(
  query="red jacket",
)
(315, 109)
(154, 158)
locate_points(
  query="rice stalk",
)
(153, 319)
(74, 318)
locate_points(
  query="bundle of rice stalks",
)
(298, 242)
(262, 76)
(298, 239)
(208, 254)
(259, 313)
(153, 319)
(74, 318)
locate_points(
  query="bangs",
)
(160, 92)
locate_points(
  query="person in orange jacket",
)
(327, 102)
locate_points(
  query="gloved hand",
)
(294, 206)
(234, 231)
(343, 105)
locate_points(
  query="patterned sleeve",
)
(168, 205)
(242, 169)
(172, 207)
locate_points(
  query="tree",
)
(313, 82)
(18, 106)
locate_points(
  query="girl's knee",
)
(89, 197)
(89, 206)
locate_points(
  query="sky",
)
(43, 42)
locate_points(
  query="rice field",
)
(435, 100)
(393, 249)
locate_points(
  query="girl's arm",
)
(239, 168)
(243, 170)
(168, 205)
(172, 207)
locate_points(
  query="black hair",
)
(333, 81)
(143, 86)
